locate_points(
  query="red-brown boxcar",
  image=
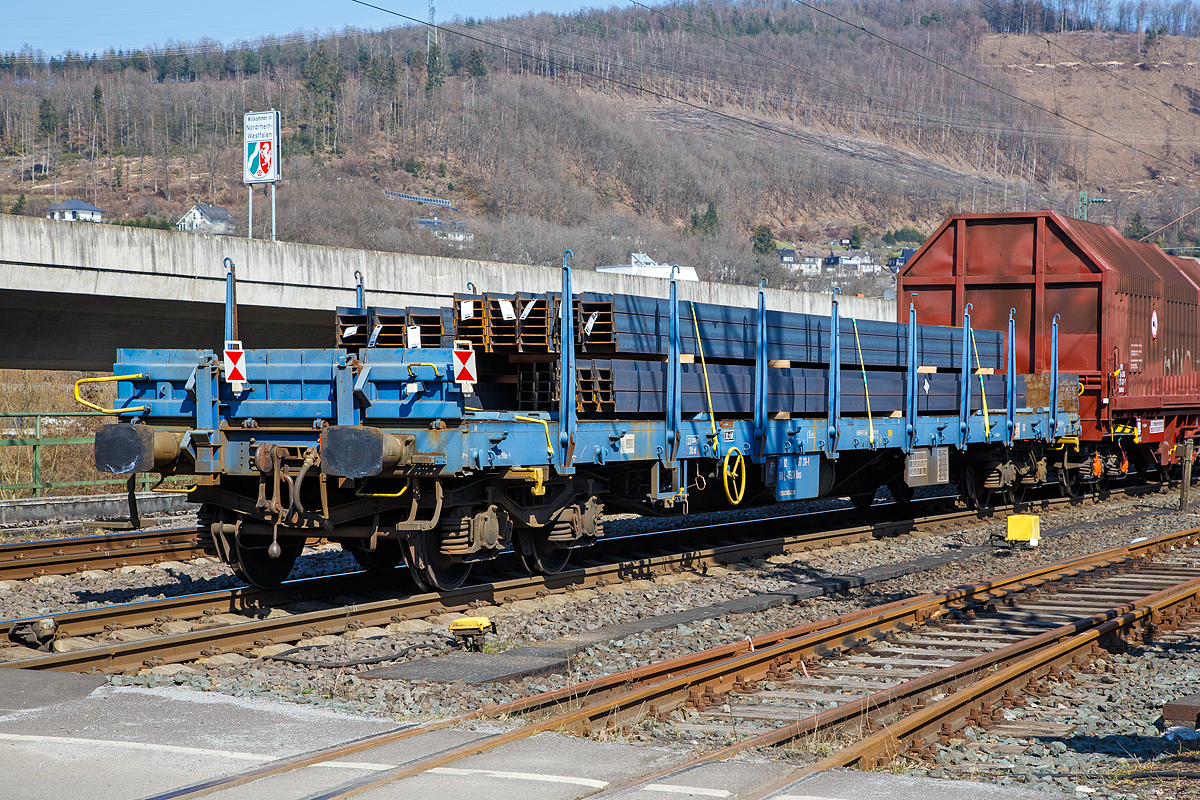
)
(1127, 316)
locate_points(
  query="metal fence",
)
(17, 430)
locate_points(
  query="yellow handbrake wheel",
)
(733, 475)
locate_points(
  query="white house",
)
(644, 266)
(72, 210)
(851, 262)
(202, 218)
(448, 231)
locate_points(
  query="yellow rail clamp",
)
(471, 631)
(1024, 528)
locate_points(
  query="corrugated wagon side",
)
(1126, 315)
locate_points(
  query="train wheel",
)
(1069, 484)
(540, 555)
(974, 490)
(863, 501)
(255, 565)
(902, 493)
(431, 569)
(386, 556)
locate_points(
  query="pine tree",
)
(710, 224)
(18, 208)
(477, 66)
(856, 237)
(764, 240)
(1135, 228)
(435, 68)
(47, 120)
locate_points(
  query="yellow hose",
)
(987, 425)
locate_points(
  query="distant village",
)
(841, 262)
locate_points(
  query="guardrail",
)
(37, 442)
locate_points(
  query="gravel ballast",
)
(1125, 697)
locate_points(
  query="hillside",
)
(612, 131)
(1146, 93)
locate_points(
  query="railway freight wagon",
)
(440, 437)
(1127, 325)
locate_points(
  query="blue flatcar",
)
(438, 438)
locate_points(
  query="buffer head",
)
(125, 448)
(359, 451)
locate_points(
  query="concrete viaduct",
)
(71, 293)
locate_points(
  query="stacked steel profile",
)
(631, 335)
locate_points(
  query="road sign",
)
(235, 364)
(261, 138)
(464, 367)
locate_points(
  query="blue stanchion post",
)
(566, 395)
(1054, 377)
(361, 292)
(1010, 417)
(231, 326)
(964, 399)
(910, 406)
(835, 377)
(674, 377)
(760, 374)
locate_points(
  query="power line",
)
(1079, 56)
(661, 95)
(862, 27)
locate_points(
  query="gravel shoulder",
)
(1125, 699)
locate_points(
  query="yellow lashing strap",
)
(987, 425)
(704, 367)
(863, 368)
(731, 468)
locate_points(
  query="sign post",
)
(261, 158)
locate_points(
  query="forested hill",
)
(604, 131)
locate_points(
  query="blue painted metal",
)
(760, 372)
(361, 292)
(674, 394)
(1054, 433)
(797, 477)
(294, 393)
(964, 404)
(566, 401)
(230, 308)
(1010, 414)
(835, 378)
(910, 406)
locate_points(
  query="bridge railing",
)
(22, 471)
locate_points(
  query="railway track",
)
(24, 560)
(32, 559)
(175, 629)
(892, 678)
(128, 637)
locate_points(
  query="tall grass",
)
(43, 391)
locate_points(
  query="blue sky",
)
(94, 26)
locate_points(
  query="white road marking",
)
(191, 751)
(671, 788)
(524, 776)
